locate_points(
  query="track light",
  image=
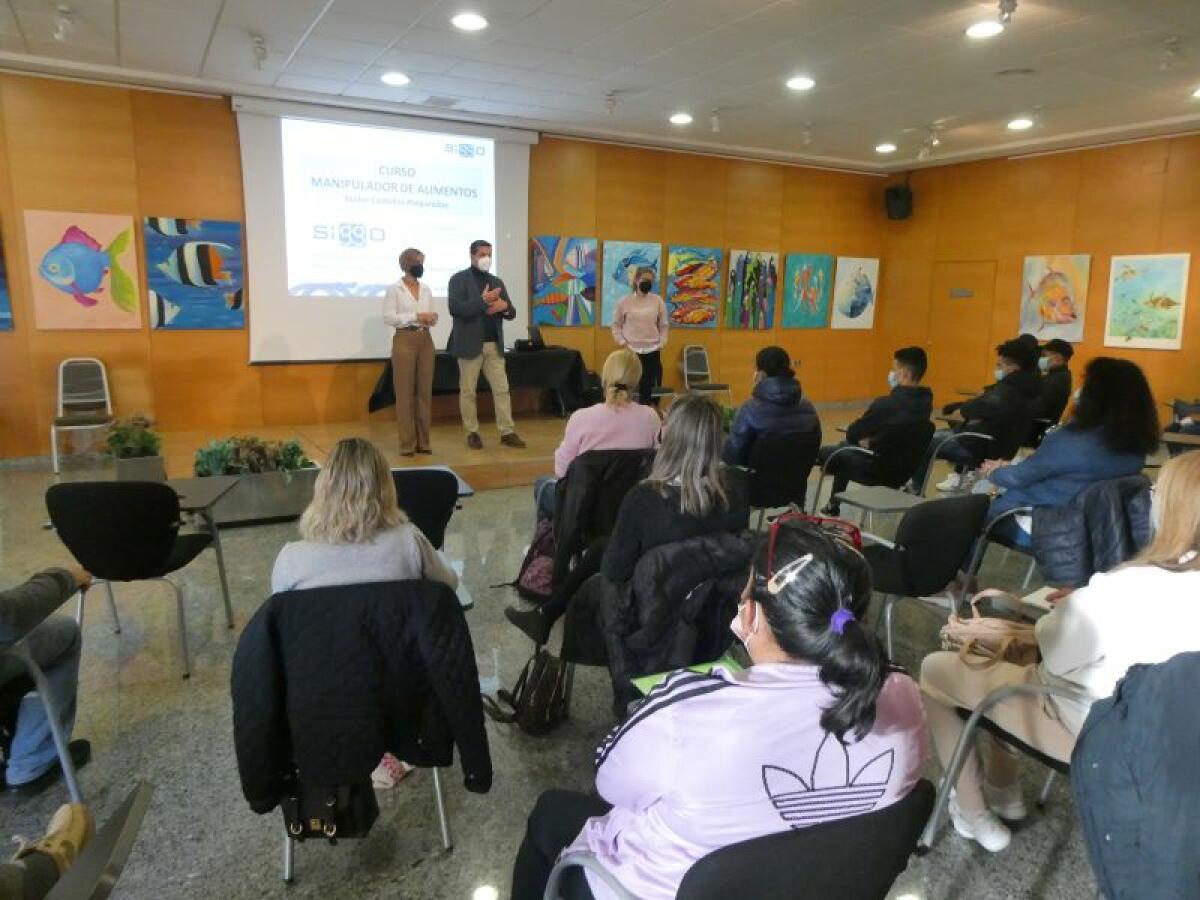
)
(1007, 8)
(714, 122)
(258, 46)
(64, 19)
(806, 136)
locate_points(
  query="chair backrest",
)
(117, 530)
(934, 539)
(779, 468)
(93, 875)
(899, 449)
(428, 496)
(83, 386)
(696, 369)
(851, 859)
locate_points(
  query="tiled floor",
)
(201, 841)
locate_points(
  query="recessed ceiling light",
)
(469, 21)
(886, 147)
(1196, 93)
(988, 28)
(394, 79)
(800, 83)
(681, 118)
(1021, 123)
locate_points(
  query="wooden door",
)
(961, 357)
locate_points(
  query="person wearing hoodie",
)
(908, 401)
(1004, 411)
(776, 407)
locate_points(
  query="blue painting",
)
(1147, 296)
(621, 262)
(807, 286)
(6, 319)
(194, 273)
(563, 281)
(855, 292)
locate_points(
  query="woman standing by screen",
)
(640, 323)
(408, 308)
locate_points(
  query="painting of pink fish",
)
(1054, 296)
(83, 269)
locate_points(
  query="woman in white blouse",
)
(408, 308)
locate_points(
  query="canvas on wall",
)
(693, 283)
(194, 275)
(1054, 296)
(621, 261)
(6, 318)
(1147, 296)
(807, 287)
(83, 269)
(563, 282)
(750, 301)
(855, 292)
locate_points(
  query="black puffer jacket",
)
(1105, 525)
(905, 404)
(776, 407)
(1004, 411)
(326, 680)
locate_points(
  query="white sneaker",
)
(950, 483)
(1006, 802)
(984, 828)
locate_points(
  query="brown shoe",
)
(474, 441)
(512, 439)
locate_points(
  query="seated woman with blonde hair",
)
(1145, 611)
(355, 532)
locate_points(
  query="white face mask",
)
(893, 378)
(999, 373)
(484, 263)
(1044, 363)
(736, 625)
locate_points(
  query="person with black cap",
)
(1056, 381)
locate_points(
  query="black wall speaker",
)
(898, 201)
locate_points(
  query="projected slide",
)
(356, 195)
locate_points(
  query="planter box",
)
(267, 497)
(141, 468)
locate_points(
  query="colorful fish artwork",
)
(807, 287)
(563, 280)
(1054, 296)
(621, 261)
(693, 286)
(82, 267)
(194, 273)
(1147, 298)
(753, 278)
(855, 293)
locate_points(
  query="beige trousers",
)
(946, 684)
(412, 378)
(491, 361)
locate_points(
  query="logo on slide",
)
(467, 151)
(349, 234)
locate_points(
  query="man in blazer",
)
(479, 304)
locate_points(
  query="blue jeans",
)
(955, 453)
(55, 646)
(543, 496)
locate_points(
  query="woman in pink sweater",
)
(640, 323)
(616, 424)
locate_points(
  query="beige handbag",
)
(982, 641)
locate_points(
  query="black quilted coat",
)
(1105, 525)
(328, 679)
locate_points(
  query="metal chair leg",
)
(1029, 574)
(289, 856)
(53, 719)
(568, 688)
(447, 844)
(54, 448)
(79, 607)
(182, 622)
(1045, 794)
(889, 605)
(762, 514)
(112, 606)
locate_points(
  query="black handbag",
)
(538, 702)
(347, 811)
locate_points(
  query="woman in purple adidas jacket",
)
(818, 728)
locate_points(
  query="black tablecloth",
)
(557, 369)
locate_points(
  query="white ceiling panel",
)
(413, 61)
(306, 83)
(361, 29)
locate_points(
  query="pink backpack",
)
(534, 582)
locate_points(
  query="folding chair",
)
(84, 401)
(779, 467)
(697, 374)
(429, 497)
(990, 537)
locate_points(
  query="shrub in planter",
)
(242, 455)
(132, 439)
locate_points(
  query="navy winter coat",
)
(777, 407)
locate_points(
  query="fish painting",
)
(621, 260)
(1054, 296)
(693, 285)
(861, 293)
(1054, 300)
(1147, 299)
(807, 285)
(1160, 301)
(855, 292)
(174, 227)
(77, 266)
(563, 285)
(194, 272)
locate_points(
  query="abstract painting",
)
(693, 281)
(1147, 296)
(807, 287)
(621, 261)
(750, 302)
(6, 319)
(83, 268)
(1054, 296)
(563, 282)
(855, 292)
(194, 273)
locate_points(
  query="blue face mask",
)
(999, 373)
(1044, 363)
(893, 378)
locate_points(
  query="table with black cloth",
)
(557, 369)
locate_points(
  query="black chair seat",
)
(429, 497)
(187, 547)
(710, 386)
(83, 418)
(887, 575)
(1060, 766)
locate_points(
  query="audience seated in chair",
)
(1004, 411)
(1145, 611)
(38, 865)
(907, 402)
(55, 643)
(1185, 419)
(1111, 432)
(1054, 364)
(688, 493)
(818, 728)
(354, 532)
(776, 407)
(618, 423)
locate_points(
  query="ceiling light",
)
(800, 83)
(485, 892)
(258, 49)
(394, 79)
(1007, 8)
(886, 147)
(988, 28)
(1196, 93)
(714, 121)
(681, 118)
(469, 21)
(1021, 123)
(63, 20)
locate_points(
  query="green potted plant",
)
(136, 447)
(276, 477)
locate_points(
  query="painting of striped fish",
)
(194, 273)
